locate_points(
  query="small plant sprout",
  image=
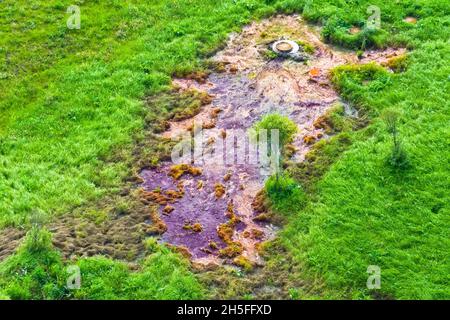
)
(398, 158)
(37, 237)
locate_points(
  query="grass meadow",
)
(72, 110)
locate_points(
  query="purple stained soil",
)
(198, 205)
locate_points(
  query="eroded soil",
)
(248, 83)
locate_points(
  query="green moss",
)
(397, 64)
(243, 262)
(232, 250)
(286, 127)
(307, 47)
(286, 196)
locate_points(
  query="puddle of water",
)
(251, 87)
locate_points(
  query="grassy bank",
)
(365, 212)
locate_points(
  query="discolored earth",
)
(249, 82)
(211, 216)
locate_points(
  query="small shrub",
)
(287, 128)
(285, 194)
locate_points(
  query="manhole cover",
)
(285, 47)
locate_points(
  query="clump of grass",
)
(337, 31)
(38, 272)
(285, 194)
(122, 207)
(269, 54)
(35, 271)
(397, 64)
(151, 245)
(232, 250)
(398, 158)
(306, 46)
(37, 238)
(356, 82)
(286, 127)
(243, 262)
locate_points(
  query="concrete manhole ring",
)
(285, 47)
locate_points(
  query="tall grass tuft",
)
(398, 158)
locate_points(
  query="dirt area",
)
(249, 81)
(10, 239)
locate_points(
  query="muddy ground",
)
(250, 81)
(207, 210)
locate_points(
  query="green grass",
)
(70, 99)
(285, 127)
(72, 107)
(368, 214)
(285, 194)
(37, 271)
(162, 275)
(363, 212)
